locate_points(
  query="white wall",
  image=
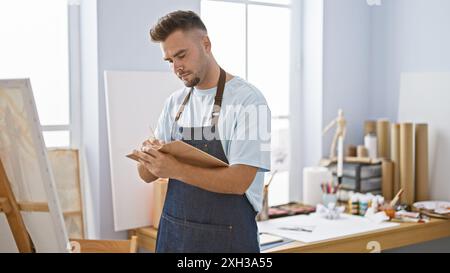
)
(365, 51)
(408, 36)
(346, 63)
(336, 72)
(336, 44)
(356, 65)
(366, 48)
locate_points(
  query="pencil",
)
(152, 132)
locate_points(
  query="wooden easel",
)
(11, 208)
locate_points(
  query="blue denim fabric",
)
(199, 221)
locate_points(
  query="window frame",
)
(74, 84)
(295, 98)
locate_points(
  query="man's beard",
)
(192, 82)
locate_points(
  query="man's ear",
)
(206, 43)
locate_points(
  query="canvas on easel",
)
(28, 198)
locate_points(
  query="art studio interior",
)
(224, 126)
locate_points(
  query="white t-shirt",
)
(244, 126)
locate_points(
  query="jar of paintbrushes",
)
(329, 193)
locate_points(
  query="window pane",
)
(34, 44)
(280, 157)
(268, 54)
(56, 138)
(281, 2)
(280, 144)
(268, 68)
(279, 189)
(226, 28)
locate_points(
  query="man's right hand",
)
(144, 173)
(151, 143)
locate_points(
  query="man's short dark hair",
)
(177, 20)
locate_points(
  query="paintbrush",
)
(271, 178)
(152, 132)
(397, 196)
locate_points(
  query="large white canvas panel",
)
(134, 101)
(424, 98)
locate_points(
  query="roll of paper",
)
(351, 151)
(421, 162)
(387, 179)
(407, 163)
(383, 139)
(370, 127)
(362, 151)
(395, 154)
(313, 177)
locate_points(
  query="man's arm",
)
(235, 179)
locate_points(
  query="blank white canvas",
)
(425, 98)
(134, 101)
(24, 157)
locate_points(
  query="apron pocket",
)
(192, 237)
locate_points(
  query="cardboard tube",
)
(362, 151)
(395, 154)
(383, 139)
(370, 126)
(407, 163)
(421, 162)
(387, 179)
(351, 151)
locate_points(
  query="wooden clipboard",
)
(188, 154)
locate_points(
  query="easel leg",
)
(15, 221)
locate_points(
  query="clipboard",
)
(188, 154)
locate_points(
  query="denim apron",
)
(195, 220)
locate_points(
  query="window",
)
(252, 39)
(35, 45)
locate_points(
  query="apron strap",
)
(186, 99)
(217, 99)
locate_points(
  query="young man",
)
(207, 210)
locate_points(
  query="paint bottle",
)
(374, 204)
(370, 142)
(370, 137)
(363, 205)
(353, 203)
